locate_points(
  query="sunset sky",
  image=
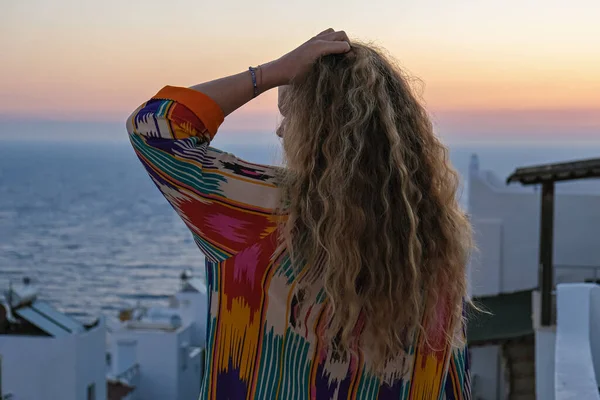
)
(505, 66)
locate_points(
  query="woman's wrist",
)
(272, 76)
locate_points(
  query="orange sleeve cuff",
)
(205, 108)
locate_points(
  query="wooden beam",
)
(565, 171)
(546, 268)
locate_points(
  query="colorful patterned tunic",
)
(264, 335)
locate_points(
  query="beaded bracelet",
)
(253, 74)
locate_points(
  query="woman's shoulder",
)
(244, 182)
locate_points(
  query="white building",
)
(45, 354)
(159, 352)
(512, 353)
(576, 372)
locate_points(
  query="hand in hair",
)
(298, 62)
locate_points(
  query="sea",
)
(85, 223)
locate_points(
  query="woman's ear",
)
(281, 128)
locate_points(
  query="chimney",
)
(474, 164)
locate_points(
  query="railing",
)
(130, 375)
(577, 346)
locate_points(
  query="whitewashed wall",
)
(157, 360)
(575, 376)
(595, 330)
(91, 362)
(545, 341)
(35, 368)
(166, 369)
(506, 222)
(190, 368)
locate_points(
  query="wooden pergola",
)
(547, 175)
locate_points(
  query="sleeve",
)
(226, 203)
(458, 377)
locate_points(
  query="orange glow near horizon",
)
(64, 60)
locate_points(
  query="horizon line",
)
(111, 117)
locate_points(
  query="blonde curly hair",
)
(371, 202)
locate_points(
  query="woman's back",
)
(278, 326)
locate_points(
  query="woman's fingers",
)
(333, 42)
(325, 32)
(335, 36)
(333, 47)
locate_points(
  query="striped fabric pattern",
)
(264, 335)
